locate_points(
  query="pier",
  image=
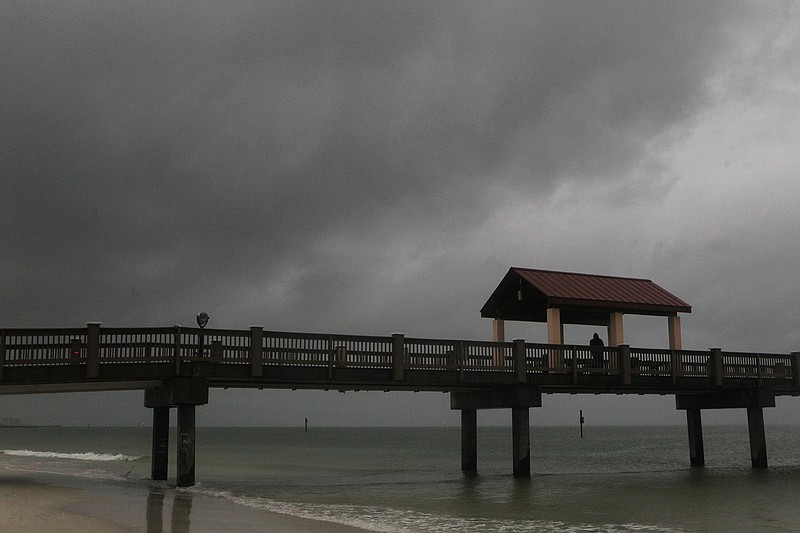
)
(176, 366)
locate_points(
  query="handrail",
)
(93, 346)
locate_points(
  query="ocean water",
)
(614, 479)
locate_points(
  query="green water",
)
(615, 479)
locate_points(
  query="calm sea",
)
(615, 479)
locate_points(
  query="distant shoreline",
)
(26, 426)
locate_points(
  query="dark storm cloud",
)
(154, 152)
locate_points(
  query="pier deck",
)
(176, 366)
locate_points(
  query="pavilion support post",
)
(520, 427)
(469, 441)
(616, 334)
(758, 441)
(554, 336)
(554, 325)
(694, 424)
(498, 330)
(160, 450)
(186, 444)
(674, 324)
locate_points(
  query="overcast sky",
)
(375, 167)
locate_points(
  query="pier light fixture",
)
(202, 320)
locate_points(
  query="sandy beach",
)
(32, 503)
(30, 506)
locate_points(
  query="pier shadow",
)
(180, 516)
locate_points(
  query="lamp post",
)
(202, 320)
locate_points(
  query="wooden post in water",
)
(186, 445)
(520, 427)
(758, 440)
(187, 393)
(469, 441)
(694, 424)
(160, 452)
(158, 399)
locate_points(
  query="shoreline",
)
(31, 502)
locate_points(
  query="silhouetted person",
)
(596, 347)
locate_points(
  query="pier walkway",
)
(175, 366)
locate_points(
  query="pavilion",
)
(559, 298)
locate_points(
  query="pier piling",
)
(520, 427)
(694, 423)
(469, 441)
(758, 440)
(186, 445)
(159, 400)
(519, 398)
(160, 453)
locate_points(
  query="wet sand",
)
(31, 503)
(28, 506)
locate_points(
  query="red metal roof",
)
(573, 288)
(525, 294)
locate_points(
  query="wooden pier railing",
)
(94, 347)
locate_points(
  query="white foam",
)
(387, 520)
(81, 456)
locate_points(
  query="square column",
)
(674, 325)
(520, 427)
(159, 399)
(615, 331)
(469, 441)
(187, 393)
(758, 440)
(553, 325)
(694, 423)
(498, 330)
(554, 336)
(160, 450)
(186, 442)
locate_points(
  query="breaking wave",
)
(82, 456)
